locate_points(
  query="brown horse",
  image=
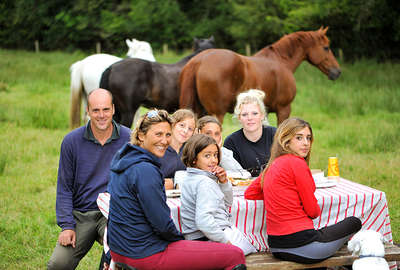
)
(210, 81)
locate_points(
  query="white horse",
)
(86, 75)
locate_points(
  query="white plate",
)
(172, 193)
(325, 184)
(242, 174)
(319, 177)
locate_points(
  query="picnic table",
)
(345, 199)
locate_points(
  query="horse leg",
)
(126, 119)
(127, 116)
(283, 113)
(117, 115)
(75, 109)
(85, 105)
(220, 118)
(76, 94)
(266, 121)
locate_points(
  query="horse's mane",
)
(190, 56)
(288, 44)
(199, 46)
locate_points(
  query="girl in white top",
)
(206, 195)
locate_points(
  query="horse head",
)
(203, 43)
(321, 56)
(140, 49)
(132, 47)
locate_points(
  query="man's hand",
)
(106, 266)
(67, 237)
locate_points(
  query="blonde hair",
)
(280, 146)
(252, 96)
(181, 115)
(145, 122)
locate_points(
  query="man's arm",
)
(65, 181)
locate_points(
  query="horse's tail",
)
(188, 89)
(76, 94)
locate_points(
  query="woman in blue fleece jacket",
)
(141, 232)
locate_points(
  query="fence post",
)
(341, 55)
(98, 47)
(165, 48)
(37, 49)
(248, 49)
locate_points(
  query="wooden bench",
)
(265, 260)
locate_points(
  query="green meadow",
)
(356, 118)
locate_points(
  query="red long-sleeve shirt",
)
(288, 194)
(254, 191)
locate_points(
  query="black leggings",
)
(330, 239)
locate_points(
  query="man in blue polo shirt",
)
(83, 173)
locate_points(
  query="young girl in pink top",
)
(287, 188)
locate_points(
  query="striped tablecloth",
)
(345, 199)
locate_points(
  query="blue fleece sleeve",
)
(152, 198)
(65, 182)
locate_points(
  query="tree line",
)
(359, 28)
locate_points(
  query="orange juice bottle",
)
(333, 168)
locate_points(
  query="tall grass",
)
(355, 118)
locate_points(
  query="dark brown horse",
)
(135, 82)
(210, 81)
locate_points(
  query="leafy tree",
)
(206, 18)
(361, 28)
(80, 24)
(158, 22)
(300, 14)
(22, 22)
(257, 23)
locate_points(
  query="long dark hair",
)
(194, 146)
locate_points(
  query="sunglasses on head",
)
(152, 114)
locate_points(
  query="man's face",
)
(100, 110)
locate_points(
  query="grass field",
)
(356, 118)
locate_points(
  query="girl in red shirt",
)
(287, 188)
